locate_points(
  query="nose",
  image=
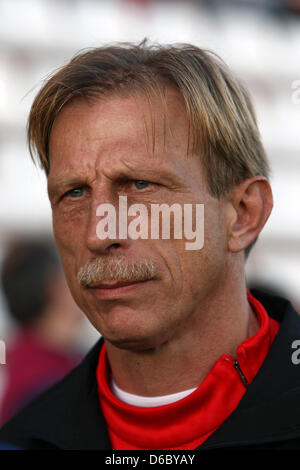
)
(102, 228)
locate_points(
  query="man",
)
(189, 358)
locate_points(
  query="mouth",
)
(115, 289)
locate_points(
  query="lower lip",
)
(116, 292)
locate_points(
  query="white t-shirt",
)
(147, 402)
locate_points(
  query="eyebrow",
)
(167, 175)
(57, 183)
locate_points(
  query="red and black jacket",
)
(68, 416)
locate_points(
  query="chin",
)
(137, 343)
(129, 329)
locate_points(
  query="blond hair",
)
(220, 113)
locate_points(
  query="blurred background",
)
(259, 40)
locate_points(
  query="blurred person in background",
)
(42, 348)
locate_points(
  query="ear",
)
(251, 204)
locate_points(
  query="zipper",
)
(243, 378)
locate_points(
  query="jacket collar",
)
(72, 411)
(269, 411)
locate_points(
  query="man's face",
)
(123, 146)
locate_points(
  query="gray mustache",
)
(115, 269)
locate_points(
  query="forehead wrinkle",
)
(168, 174)
(67, 179)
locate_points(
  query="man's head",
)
(159, 125)
(36, 292)
(222, 124)
(26, 272)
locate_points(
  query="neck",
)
(182, 362)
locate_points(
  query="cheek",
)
(215, 242)
(171, 257)
(68, 226)
(68, 233)
(202, 268)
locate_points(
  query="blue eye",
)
(140, 184)
(76, 192)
